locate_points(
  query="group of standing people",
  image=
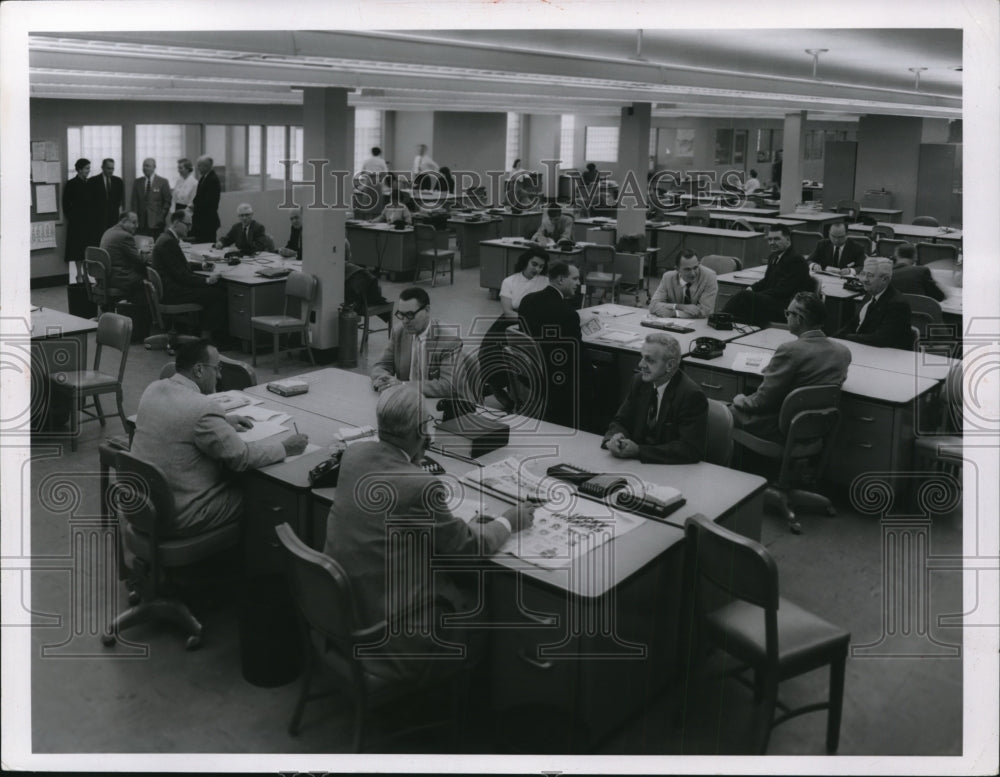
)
(93, 204)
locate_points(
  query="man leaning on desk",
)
(837, 253)
(420, 348)
(810, 360)
(358, 536)
(687, 292)
(664, 418)
(189, 436)
(247, 235)
(883, 315)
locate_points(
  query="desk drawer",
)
(715, 385)
(267, 504)
(865, 440)
(239, 301)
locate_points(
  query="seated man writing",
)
(388, 582)
(420, 349)
(664, 418)
(188, 436)
(554, 227)
(246, 235)
(687, 292)
(837, 253)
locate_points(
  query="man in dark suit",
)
(786, 274)
(811, 360)
(550, 320)
(128, 267)
(883, 318)
(293, 248)
(370, 537)
(151, 199)
(246, 235)
(181, 285)
(909, 278)
(837, 253)
(664, 418)
(107, 197)
(205, 215)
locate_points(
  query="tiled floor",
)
(904, 697)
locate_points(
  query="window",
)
(253, 150)
(295, 151)
(567, 131)
(813, 148)
(162, 142)
(276, 151)
(513, 139)
(94, 142)
(367, 133)
(602, 144)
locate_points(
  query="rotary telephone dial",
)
(706, 348)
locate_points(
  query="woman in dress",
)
(76, 210)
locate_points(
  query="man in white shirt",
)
(186, 186)
(422, 163)
(689, 291)
(375, 165)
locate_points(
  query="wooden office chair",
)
(924, 311)
(161, 313)
(113, 331)
(634, 271)
(770, 635)
(887, 247)
(925, 221)
(720, 433)
(143, 502)
(804, 243)
(300, 292)
(698, 217)
(97, 265)
(806, 422)
(366, 312)
(851, 207)
(235, 375)
(942, 255)
(526, 368)
(722, 264)
(324, 598)
(598, 272)
(431, 256)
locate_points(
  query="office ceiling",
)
(745, 73)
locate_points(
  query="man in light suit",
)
(554, 227)
(382, 480)
(687, 292)
(420, 349)
(883, 316)
(151, 199)
(837, 253)
(128, 266)
(811, 360)
(664, 418)
(107, 197)
(205, 205)
(246, 235)
(189, 436)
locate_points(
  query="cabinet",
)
(268, 504)
(246, 300)
(715, 384)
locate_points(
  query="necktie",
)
(654, 411)
(687, 293)
(836, 256)
(147, 187)
(107, 185)
(246, 235)
(863, 312)
(416, 371)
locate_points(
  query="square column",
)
(633, 162)
(791, 169)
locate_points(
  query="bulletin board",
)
(46, 181)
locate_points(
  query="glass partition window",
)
(253, 150)
(162, 142)
(94, 142)
(567, 131)
(277, 150)
(367, 134)
(296, 149)
(513, 139)
(602, 144)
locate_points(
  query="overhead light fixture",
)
(638, 56)
(957, 69)
(916, 76)
(815, 55)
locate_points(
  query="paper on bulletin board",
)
(43, 234)
(39, 171)
(37, 150)
(45, 199)
(53, 171)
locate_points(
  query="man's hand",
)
(740, 401)
(239, 422)
(217, 244)
(622, 447)
(521, 516)
(662, 309)
(814, 267)
(382, 382)
(211, 280)
(295, 444)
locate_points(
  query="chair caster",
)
(831, 510)
(193, 642)
(134, 597)
(108, 639)
(795, 527)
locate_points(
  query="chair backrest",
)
(887, 247)
(168, 370)
(722, 264)
(97, 264)
(936, 252)
(235, 375)
(113, 331)
(599, 255)
(852, 207)
(804, 243)
(925, 221)
(741, 224)
(954, 409)
(142, 497)
(807, 398)
(720, 433)
(923, 310)
(733, 563)
(698, 217)
(153, 302)
(468, 380)
(881, 230)
(424, 235)
(268, 242)
(527, 369)
(301, 287)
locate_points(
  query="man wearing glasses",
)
(189, 436)
(421, 349)
(812, 359)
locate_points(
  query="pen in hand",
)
(295, 426)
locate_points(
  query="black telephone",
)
(706, 348)
(326, 473)
(853, 284)
(453, 407)
(720, 321)
(565, 244)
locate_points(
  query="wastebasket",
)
(270, 637)
(347, 336)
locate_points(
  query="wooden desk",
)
(839, 302)
(749, 247)
(817, 219)
(383, 248)
(58, 344)
(914, 232)
(469, 234)
(498, 257)
(892, 215)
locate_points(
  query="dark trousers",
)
(213, 301)
(755, 308)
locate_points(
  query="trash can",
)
(140, 319)
(270, 636)
(347, 336)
